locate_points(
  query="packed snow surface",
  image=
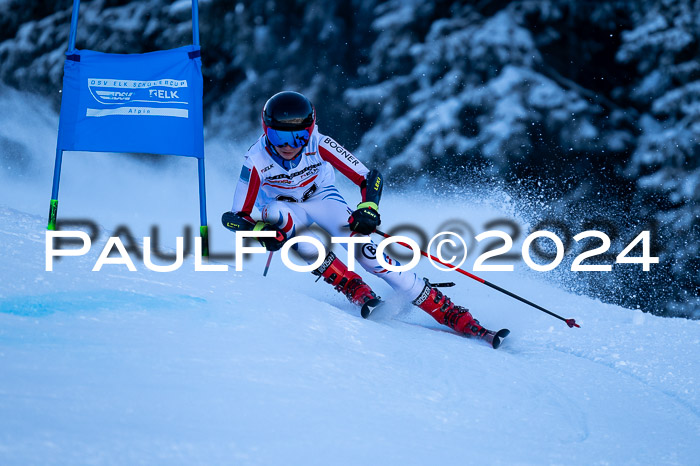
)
(192, 367)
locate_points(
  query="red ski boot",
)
(349, 283)
(432, 301)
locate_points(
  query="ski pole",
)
(570, 322)
(267, 266)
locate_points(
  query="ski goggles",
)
(293, 138)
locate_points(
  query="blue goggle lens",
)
(293, 138)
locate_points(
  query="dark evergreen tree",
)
(585, 108)
(665, 48)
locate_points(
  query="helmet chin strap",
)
(270, 146)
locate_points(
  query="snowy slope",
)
(124, 367)
(229, 367)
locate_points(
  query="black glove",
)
(274, 243)
(365, 219)
(237, 221)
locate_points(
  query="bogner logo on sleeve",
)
(341, 151)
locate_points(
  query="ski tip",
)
(498, 338)
(369, 306)
(504, 332)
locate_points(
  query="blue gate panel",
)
(149, 102)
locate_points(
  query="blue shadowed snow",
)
(99, 300)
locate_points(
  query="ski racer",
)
(289, 174)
